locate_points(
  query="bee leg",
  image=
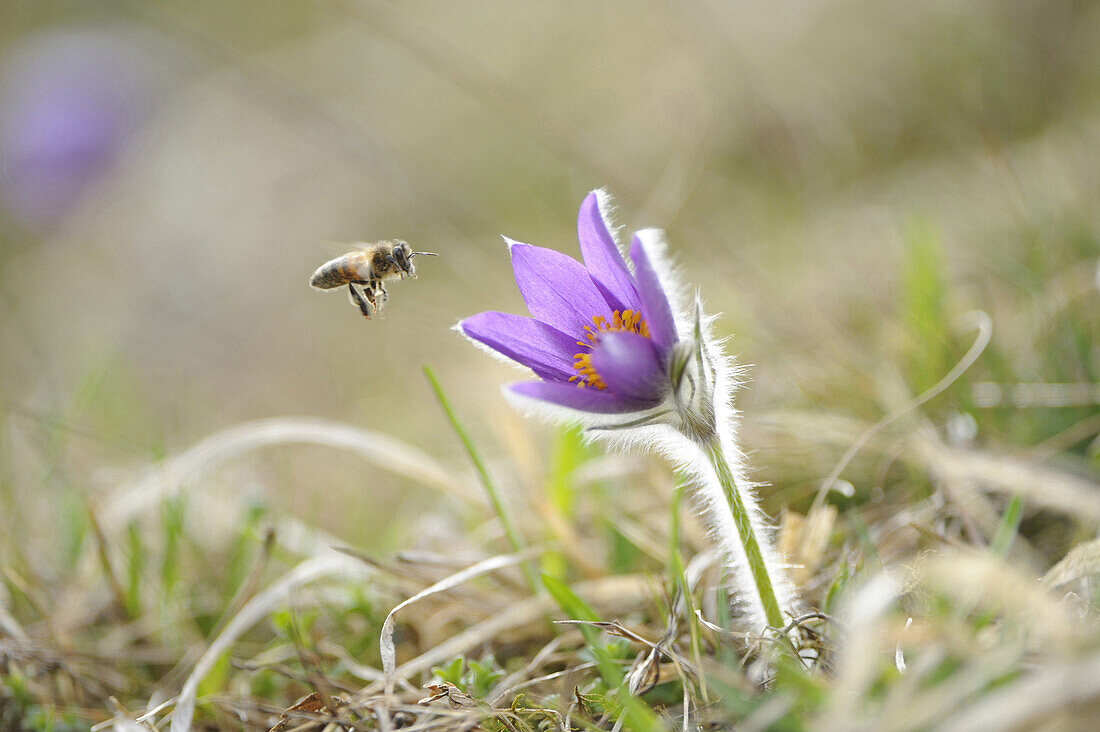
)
(384, 296)
(374, 288)
(376, 306)
(369, 288)
(357, 299)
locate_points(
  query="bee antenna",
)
(429, 254)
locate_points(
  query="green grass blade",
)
(483, 474)
(1006, 530)
(676, 569)
(638, 715)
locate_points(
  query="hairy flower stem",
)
(746, 531)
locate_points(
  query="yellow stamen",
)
(629, 321)
(587, 375)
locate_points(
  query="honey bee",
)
(364, 271)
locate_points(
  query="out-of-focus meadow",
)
(844, 181)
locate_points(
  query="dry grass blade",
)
(977, 579)
(612, 594)
(385, 642)
(255, 610)
(861, 613)
(976, 319)
(9, 624)
(803, 539)
(1081, 561)
(380, 450)
(1050, 693)
(124, 721)
(975, 585)
(646, 672)
(1038, 485)
(306, 713)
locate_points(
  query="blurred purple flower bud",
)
(69, 102)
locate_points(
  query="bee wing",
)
(334, 249)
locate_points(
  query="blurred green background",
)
(840, 179)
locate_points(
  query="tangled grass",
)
(931, 609)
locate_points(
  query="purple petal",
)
(556, 288)
(655, 307)
(573, 397)
(545, 350)
(630, 366)
(603, 259)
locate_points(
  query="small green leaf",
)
(452, 672)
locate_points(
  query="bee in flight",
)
(364, 271)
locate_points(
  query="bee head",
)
(400, 257)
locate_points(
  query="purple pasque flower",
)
(610, 347)
(601, 336)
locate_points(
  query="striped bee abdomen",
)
(335, 273)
